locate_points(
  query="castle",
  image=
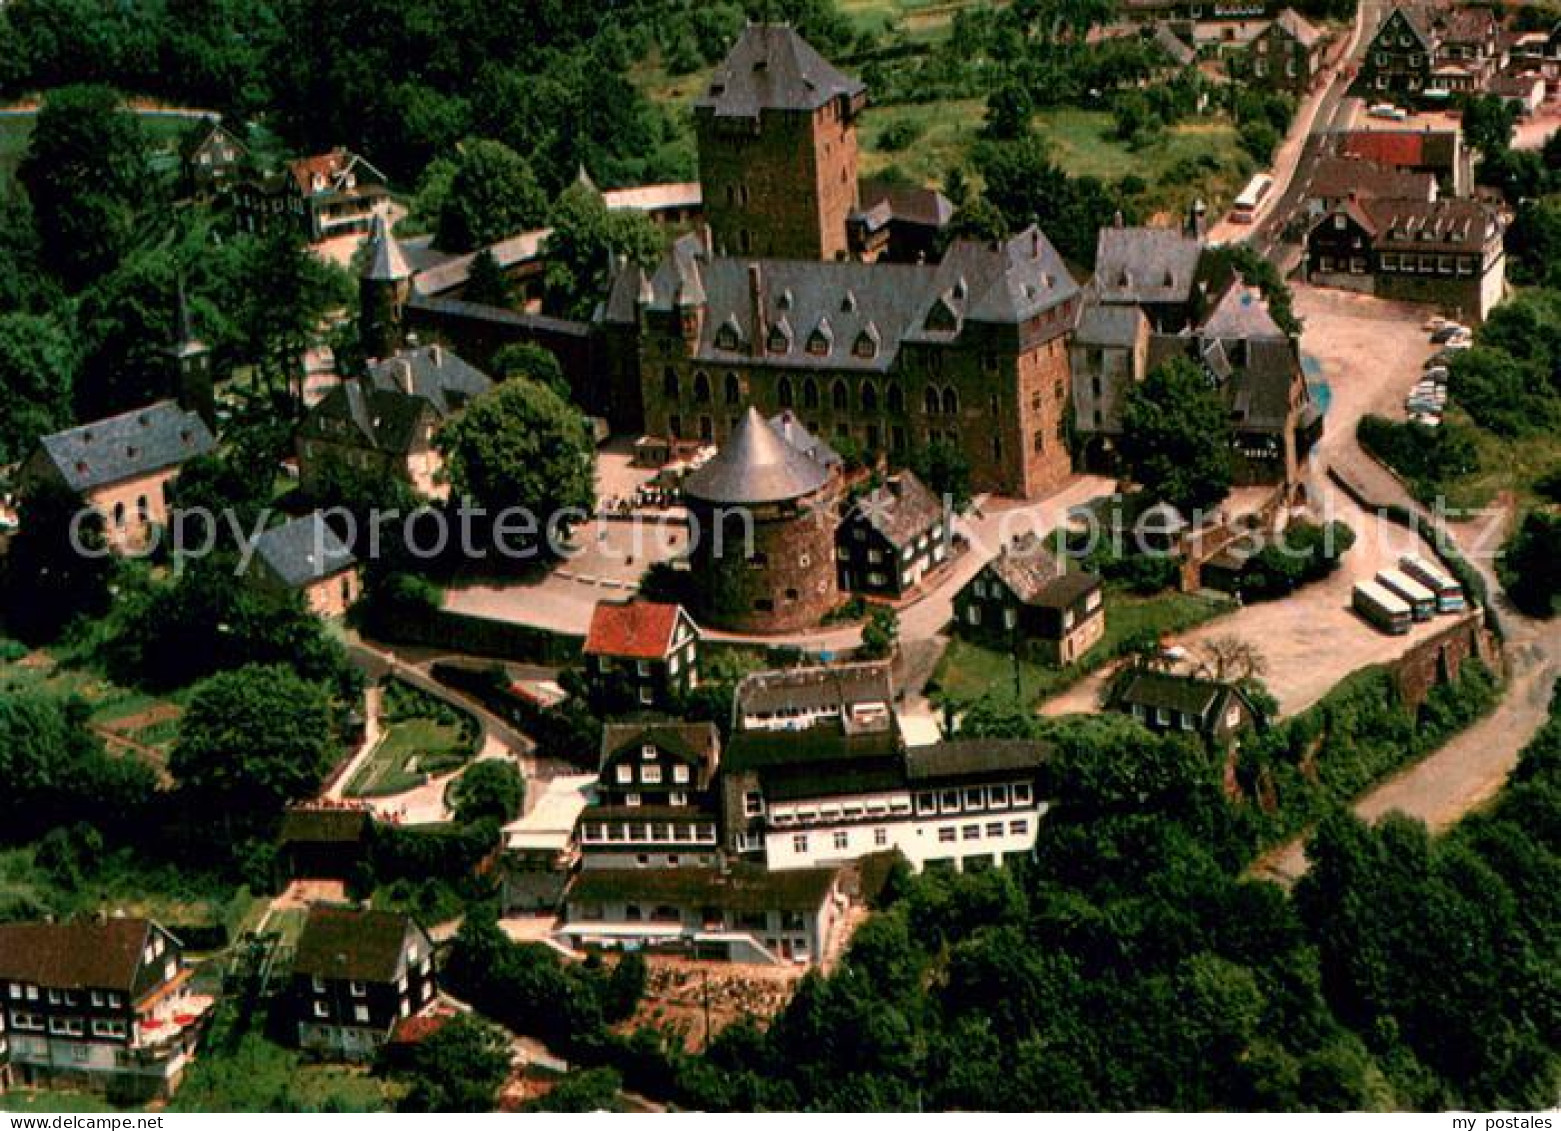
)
(782, 303)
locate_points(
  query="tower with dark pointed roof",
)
(764, 516)
(189, 366)
(383, 290)
(778, 148)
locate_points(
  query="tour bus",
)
(1449, 594)
(1422, 601)
(1244, 211)
(1381, 608)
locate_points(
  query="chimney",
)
(757, 330)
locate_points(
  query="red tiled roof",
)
(327, 165)
(640, 630)
(418, 1028)
(1391, 147)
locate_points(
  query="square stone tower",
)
(778, 148)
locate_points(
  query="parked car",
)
(1444, 334)
(1436, 374)
(1427, 420)
(1389, 111)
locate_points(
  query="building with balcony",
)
(102, 1005)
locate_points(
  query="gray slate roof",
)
(841, 308)
(771, 67)
(303, 550)
(1241, 312)
(386, 420)
(386, 261)
(755, 466)
(1155, 265)
(435, 373)
(1116, 326)
(137, 442)
(811, 688)
(795, 433)
(901, 510)
(1026, 568)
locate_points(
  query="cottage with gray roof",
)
(121, 466)
(893, 535)
(1171, 703)
(1025, 599)
(1154, 269)
(305, 556)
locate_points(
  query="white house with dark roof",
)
(121, 466)
(305, 556)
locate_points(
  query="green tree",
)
(1530, 565)
(585, 242)
(286, 292)
(37, 379)
(486, 283)
(946, 469)
(459, 1068)
(1009, 109)
(1488, 121)
(254, 739)
(85, 173)
(584, 1089)
(58, 567)
(489, 790)
(880, 635)
(493, 194)
(522, 446)
(533, 363)
(1176, 437)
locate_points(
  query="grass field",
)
(969, 671)
(163, 131)
(121, 881)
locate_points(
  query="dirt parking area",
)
(1370, 354)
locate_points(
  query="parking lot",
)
(1370, 353)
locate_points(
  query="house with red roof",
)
(1441, 153)
(641, 654)
(324, 196)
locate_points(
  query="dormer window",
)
(779, 340)
(941, 319)
(960, 289)
(783, 302)
(822, 339)
(728, 337)
(866, 345)
(848, 303)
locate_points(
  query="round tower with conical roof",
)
(764, 516)
(383, 290)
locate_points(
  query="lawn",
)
(968, 671)
(423, 736)
(251, 1073)
(59, 1102)
(1505, 465)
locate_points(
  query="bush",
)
(900, 135)
(1426, 458)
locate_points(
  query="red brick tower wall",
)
(786, 579)
(780, 186)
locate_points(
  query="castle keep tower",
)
(765, 546)
(777, 148)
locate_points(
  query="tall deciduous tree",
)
(86, 174)
(522, 446)
(254, 739)
(58, 567)
(459, 1068)
(493, 194)
(585, 242)
(37, 377)
(1176, 437)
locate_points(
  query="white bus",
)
(1381, 608)
(1421, 601)
(1244, 211)
(1449, 594)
